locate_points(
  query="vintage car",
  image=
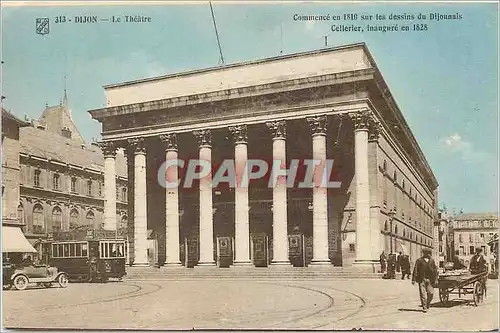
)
(20, 276)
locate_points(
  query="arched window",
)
(404, 232)
(38, 219)
(56, 219)
(90, 219)
(20, 213)
(73, 219)
(124, 194)
(396, 230)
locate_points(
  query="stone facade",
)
(10, 168)
(474, 230)
(331, 104)
(59, 180)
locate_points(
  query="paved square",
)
(238, 303)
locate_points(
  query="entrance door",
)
(260, 250)
(191, 251)
(224, 251)
(296, 250)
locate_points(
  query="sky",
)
(444, 79)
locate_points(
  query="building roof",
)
(57, 119)
(11, 116)
(48, 145)
(476, 216)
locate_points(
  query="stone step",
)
(137, 273)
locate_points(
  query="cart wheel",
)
(62, 280)
(21, 282)
(47, 284)
(477, 294)
(444, 296)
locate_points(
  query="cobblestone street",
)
(212, 303)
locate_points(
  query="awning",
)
(13, 240)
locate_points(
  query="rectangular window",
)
(461, 251)
(84, 250)
(36, 179)
(73, 184)
(471, 249)
(100, 189)
(55, 182)
(352, 247)
(89, 188)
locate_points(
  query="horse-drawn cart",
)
(462, 283)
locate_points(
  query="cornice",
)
(236, 93)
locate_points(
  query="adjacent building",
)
(58, 183)
(443, 249)
(474, 230)
(331, 104)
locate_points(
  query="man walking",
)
(425, 274)
(405, 266)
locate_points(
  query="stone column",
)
(140, 204)
(363, 226)
(320, 195)
(206, 216)
(172, 203)
(280, 227)
(242, 222)
(109, 150)
(375, 215)
(130, 153)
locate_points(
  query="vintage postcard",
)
(258, 165)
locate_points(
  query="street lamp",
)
(392, 212)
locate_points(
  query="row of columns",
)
(318, 127)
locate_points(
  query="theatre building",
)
(327, 105)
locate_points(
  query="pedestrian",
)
(426, 275)
(398, 262)
(383, 262)
(477, 262)
(405, 266)
(391, 266)
(478, 266)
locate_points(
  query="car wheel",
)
(21, 282)
(62, 280)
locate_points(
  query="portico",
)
(324, 105)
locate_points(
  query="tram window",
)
(66, 250)
(84, 249)
(78, 250)
(120, 250)
(72, 249)
(60, 249)
(54, 251)
(113, 249)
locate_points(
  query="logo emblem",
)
(42, 26)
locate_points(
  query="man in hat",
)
(477, 262)
(426, 275)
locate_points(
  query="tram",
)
(88, 260)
